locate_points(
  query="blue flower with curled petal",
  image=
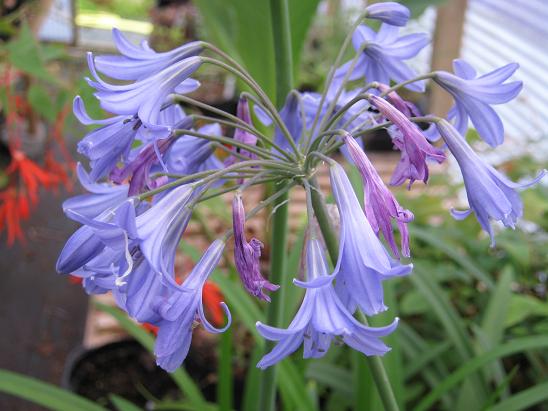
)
(136, 63)
(383, 56)
(363, 262)
(473, 96)
(182, 307)
(321, 317)
(388, 12)
(145, 97)
(491, 195)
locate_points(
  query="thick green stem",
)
(375, 363)
(284, 82)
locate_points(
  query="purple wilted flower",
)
(109, 230)
(380, 204)
(180, 310)
(246, 255)
(321, 317)
(491, 195)
(159, 228)
(107, 145)
(388, 12)
(382, 58)
(137, 63)
(473, 96)
(408, 138)
(241, 135)
(363, 262)
(101, 196)
(192, 154)
(146, 96)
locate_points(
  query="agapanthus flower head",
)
(247, 255)
(474, 95)
(320, 318)
(380, 204)
(491, 195)
(408, 138)
(136, 63)
(383, 56)
(388, 12)
(363, 262)
(183, 306)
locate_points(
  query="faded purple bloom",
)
(320, 318)
(101, 196)
(363, 262)
(182, 308)
(491, 195)
(380, 204)
(389, 12)
(473, 96)
(383, 57)
(160, 228)
(243, 136)
(246, 255)
(146, 96)
(137, 63)
(406, 107)
(408, 138)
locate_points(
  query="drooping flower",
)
(321, 317)
(137, 63)
(182, 307)
(473, 96)
(146, 96)
(388, 12)
(414, 147)
(380, 204)
(159, 228)
(491, 195)
(383, 55)
(100, 196)
(247, 254)
(363, 261)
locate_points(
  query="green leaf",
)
(301, 13)
(334, 376)
(41, 393)
(523, 306)
(180, 376)
(24, 53)
(513, 347)
(497, 308)
(524, 399)
(122, 404)
(41, 102)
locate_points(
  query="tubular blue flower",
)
(414, 147)
(109, 230)
(101, 196)
(388, 12)
(363, 262)
(137, 63)
(383, 55)
(243, 136)
(473, 96)
(159, 228)
(180, 310)
(107, 145)
(246, 255)
(146, 96)
(491, 195)
(321, 317)
(380, 204)
(190, 154)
